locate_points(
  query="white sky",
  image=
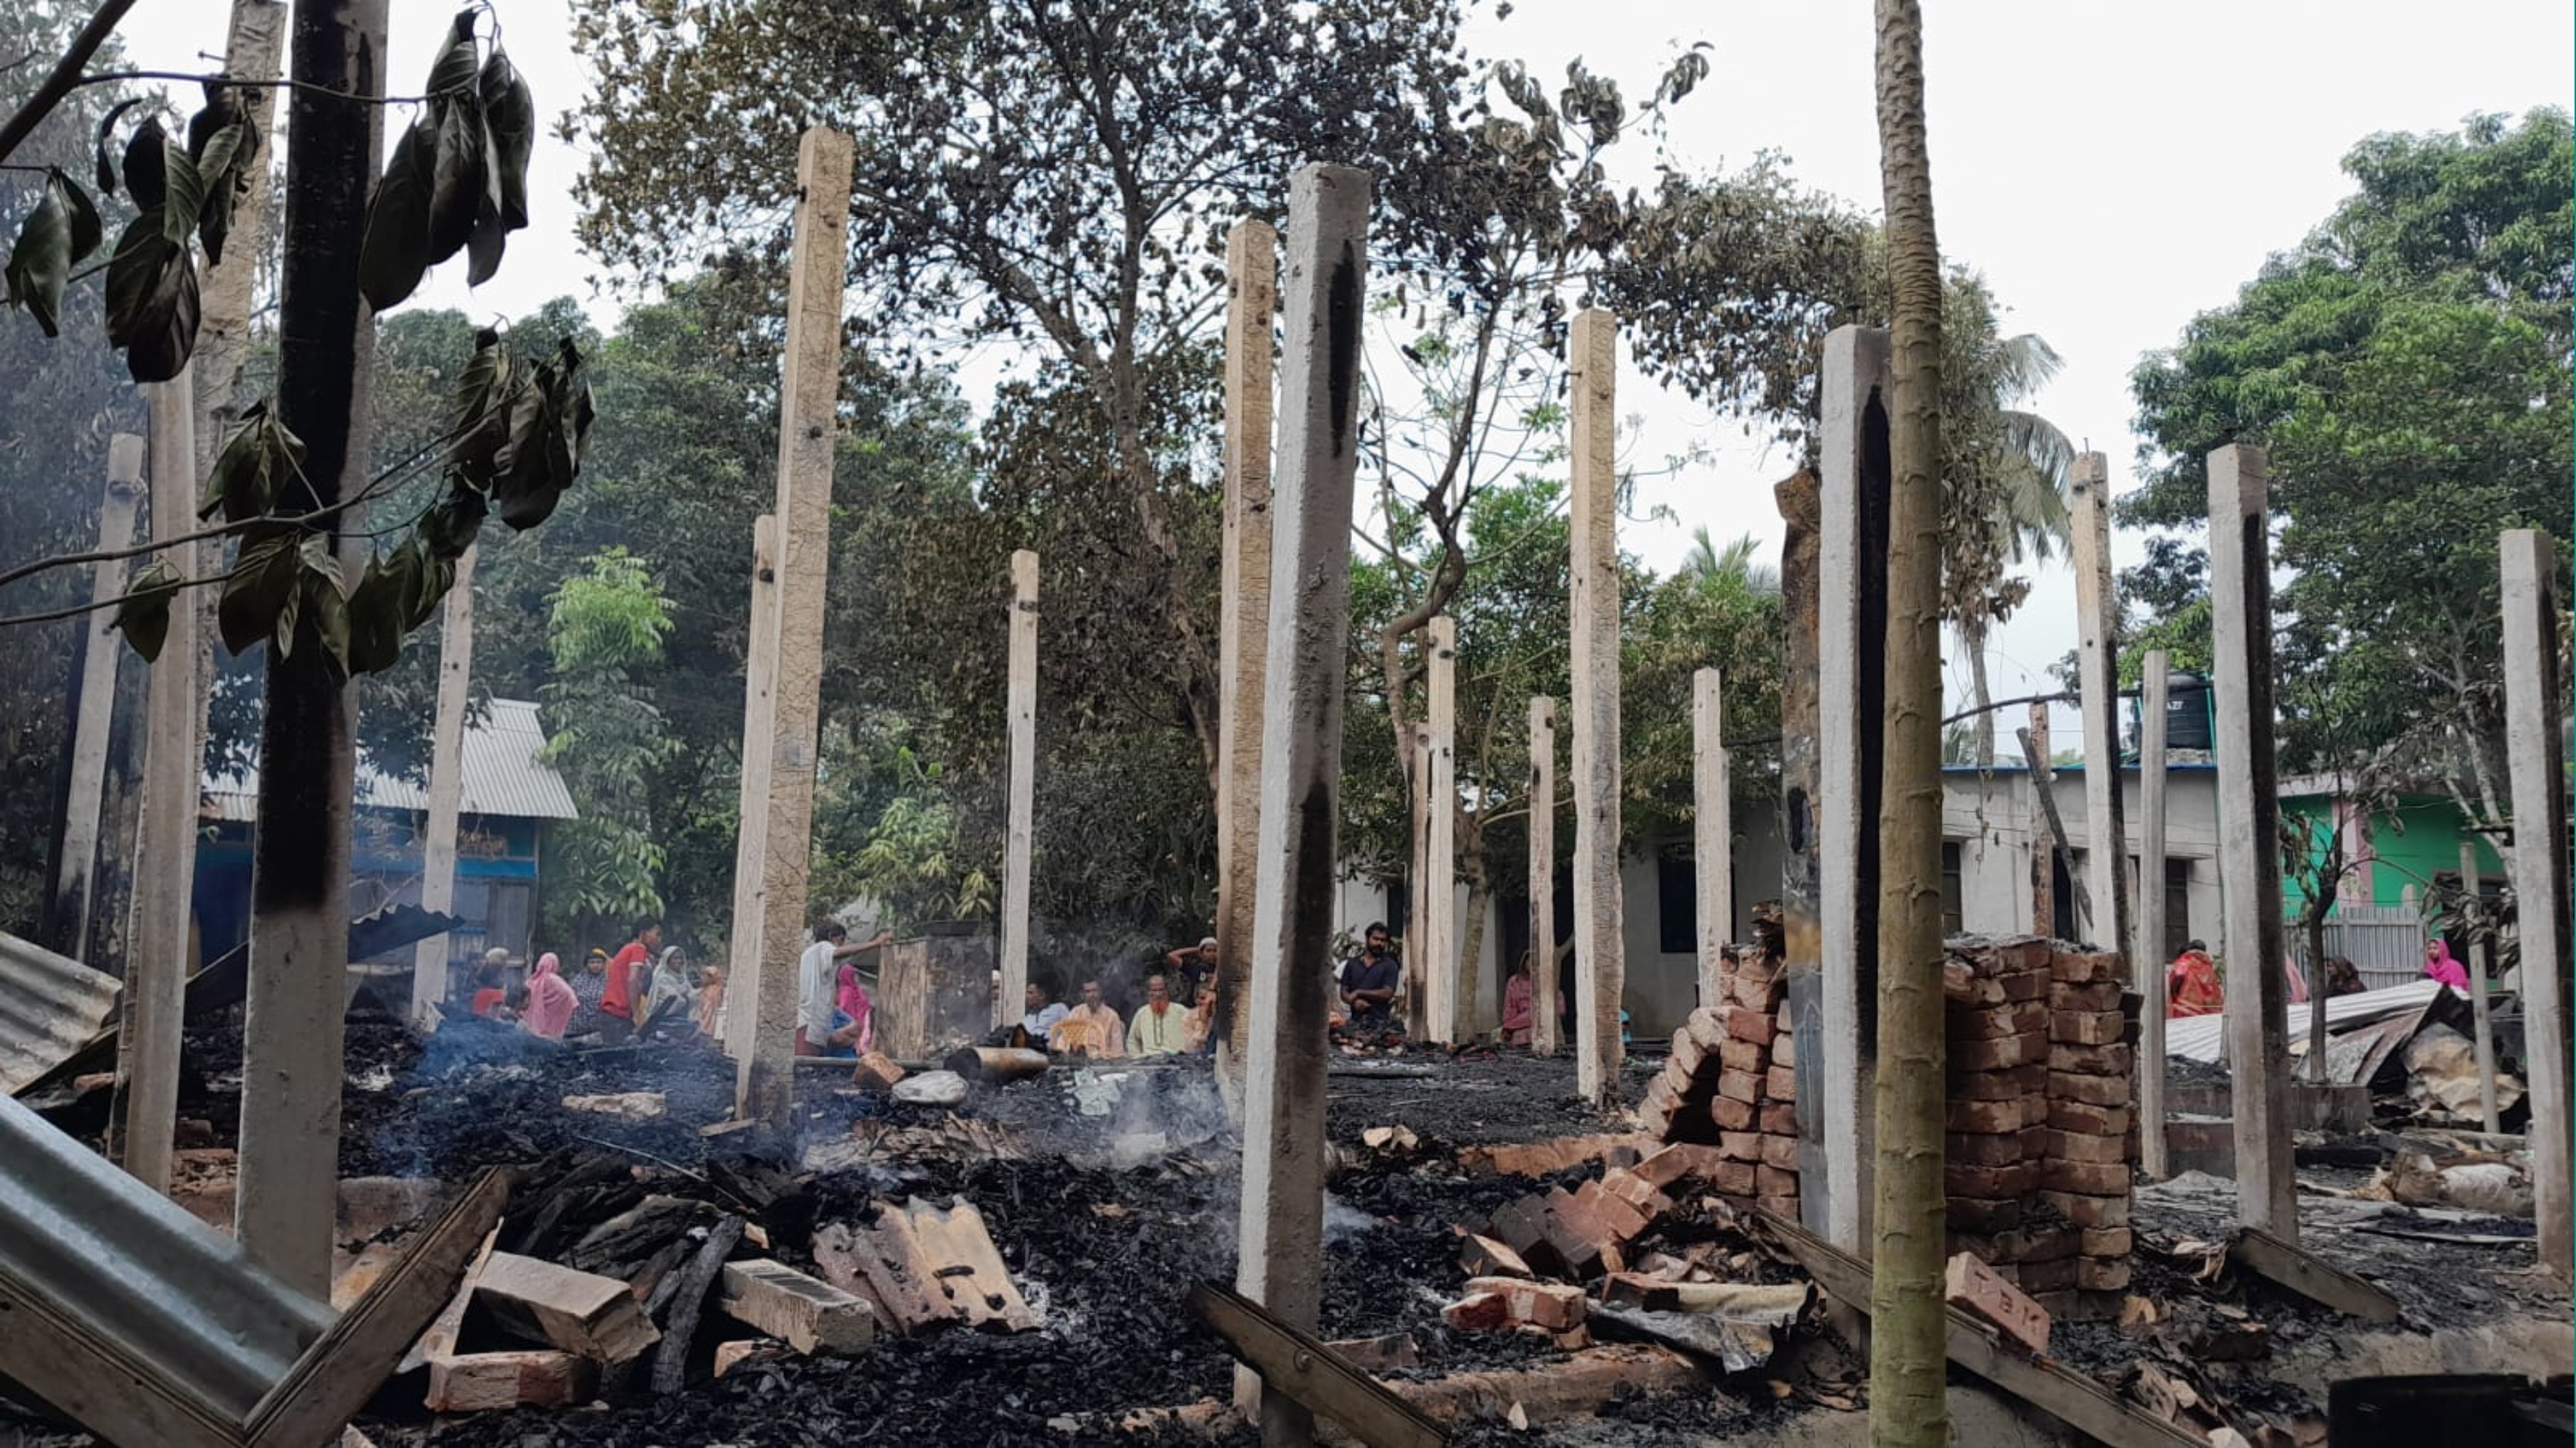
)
(2112, 169)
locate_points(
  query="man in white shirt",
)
(1161, 1027)
(818, 985)
(1042, 1014)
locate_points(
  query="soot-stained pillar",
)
(1243, 594)
(1600, 959)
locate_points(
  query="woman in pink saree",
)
(2440, 964)
(551, 999)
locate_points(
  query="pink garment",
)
(551, 999)
(2298, 982)
(854, 1003)
(2440, 964)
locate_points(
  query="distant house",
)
(509, 799)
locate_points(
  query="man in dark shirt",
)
(1370, 980)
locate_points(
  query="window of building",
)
(1676, 901)
(2177, 906)
(1954, 911)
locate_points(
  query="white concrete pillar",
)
(2097, 613)
(1438, 909)
(816, 280)
(2535, 697)
(1599, 956)
(1542, 876)
(751, 829)
(1243, 603)
(1851, 643)
(446, 788)
(154, 1005)
(1323, 287)
(1712, 830)
(2249, 857)
(94, 718)
(2149, 964)
(1022, 707)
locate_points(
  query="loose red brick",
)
(1479, 1312)
(2102, 1274)
(1784, 1049)
(2101, 1178)
(2001, 1053)
(2106, 1241)
(1968, 1214)
(1987, 1117)
(1735, 1055)
(1758, 992)
(1784, 1014)
(1637, 1192)
(1958, 982)
(1744, 1086)
(1622, 1221)
(1987, 1183)
(1675, 1163)
(1731, 1114)
(1680, 1082)
(1783, 1207)
(1555, 1306)
(1654, 1120)
(2029, 1080)
(1748, 1025)
(1981, 1150)
(1703, 1026)
(2087, 967)
(1687, 1053)
(1979, 1290)
(2049, 1276)
(2092, 1120)
(2087, 1210)
(2091, 1090)
(1771, 1181)
(2103, 996)
(2022, 953)
(2044, 1244)
(1780, 1118)
(2087, 1028)
(1780, 1151)
(1739, 1145)
(1661, 1094)
(2081, 1146)
(1780, 1083)
(2092, 1061)
(1734, 1178)
(2026, 985)
(1484, 1257)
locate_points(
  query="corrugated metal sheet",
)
(2197, 1036)
(503, 776)
(50, 1006)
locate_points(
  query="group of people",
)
(612, 996)
(1094, 1029)
(2193, 987)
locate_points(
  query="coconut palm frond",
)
(2025, 363)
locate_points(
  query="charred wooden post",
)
(2097, 613)
(94, 707)
(1021, 706)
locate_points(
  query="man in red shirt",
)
(617, 998)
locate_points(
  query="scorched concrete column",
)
(2534, 697)
(1243, 604)
(76, 864)
(1599, 956)
(446, 787)
(1022, 706)
(2149, 967)
(2106, 840)
(1542, 876)
(759, 725)
(765, 1084)
(1439, 904)
(1324, 290)
(2249, 818)
(1712, 829)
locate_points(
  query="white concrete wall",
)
(1989, 818)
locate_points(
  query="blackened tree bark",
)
(300, 866)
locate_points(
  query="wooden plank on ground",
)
(2321, 1282)
(1304, 1368)
(483, 1382)
(440, 1340)
(346, 1365)
(580, 1312)
(2070, 1397)
(968, 1268)
(885, 1264)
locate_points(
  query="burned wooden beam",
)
(2304, 1273)
(687, 1300)
(1300, 1366)
(580, 1312)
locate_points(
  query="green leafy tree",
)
(2407, 365)
(605, 630)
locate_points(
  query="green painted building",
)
(2390, 850)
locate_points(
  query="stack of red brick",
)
(2038, 1118)
(1731, 1082)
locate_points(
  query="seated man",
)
(1370, 980)
(1201, 1030)
(1162, 1025)
(1042, 1013)
(1090, 1029)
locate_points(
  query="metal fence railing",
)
(2384, 942)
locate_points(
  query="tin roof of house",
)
(502, 776)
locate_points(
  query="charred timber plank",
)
(580, 1312)
(982, 1293)
(2070, 1397)
(887, 1264)
(2321, 1282)
(482, 1382)
(1303, 1367)
(688, 1302)
(440, 1340)
(350, 1361)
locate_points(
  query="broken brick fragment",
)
(1483, 1256)
(1978, 1290)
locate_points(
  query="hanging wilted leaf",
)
(41, 261)
(87, 230)
(395, 254)
(450, 525)
(219, 114)
(217, 166)
(329, 607)
(510, 115)
(152, 300)
(457, 177)
(260, 587)
(253, 468)
(105, 173)
(187, 196)
(379, 610)
(147, 159)
(481, 419)
(453, 71)
(143, 615)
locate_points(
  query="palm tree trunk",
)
(1972, 637)
(1907, 1362)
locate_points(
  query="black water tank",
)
(2187, 712)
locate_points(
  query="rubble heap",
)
(1731, 1082)
(2039, 1146)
